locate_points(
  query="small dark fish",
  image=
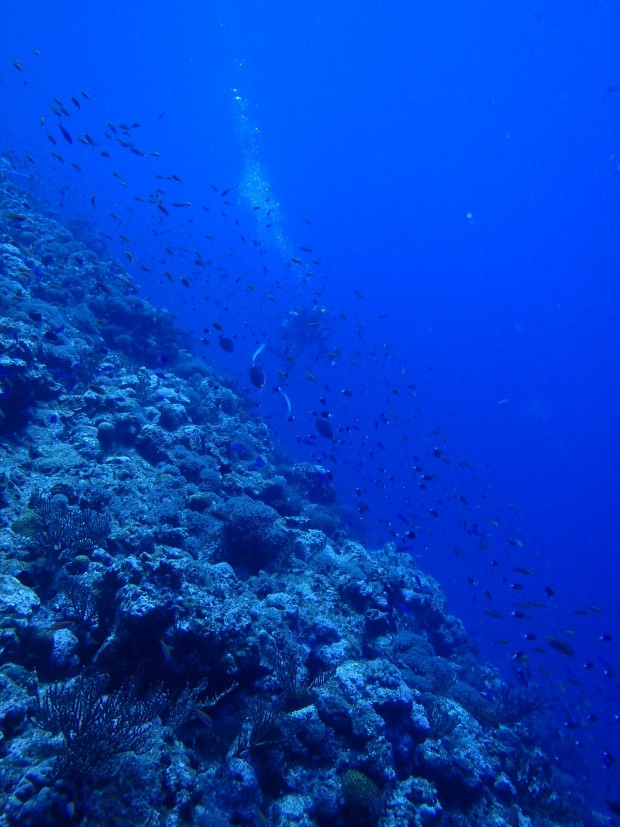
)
(52, 335)
(59, 102)
(62, 624)
(486, 718)
(103, 287)
(324, 428)
(168, 653)
(226, 344)
(65, 134)
(561, 646)
(204, 718)
(257, 377)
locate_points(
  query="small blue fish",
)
(168, 652)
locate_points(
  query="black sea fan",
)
(97, 728)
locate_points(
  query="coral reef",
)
(281, 673)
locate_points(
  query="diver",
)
(302, 330)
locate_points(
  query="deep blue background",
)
(459, 164)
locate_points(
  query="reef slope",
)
(188, 635)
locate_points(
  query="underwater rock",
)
(415, 803)
(456, 764)
(153, 445)
(254, 535)
(242, 790)
(18, 603)
(172, 417)
(312, 481)
(106, 434)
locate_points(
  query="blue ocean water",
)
(415, 209)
